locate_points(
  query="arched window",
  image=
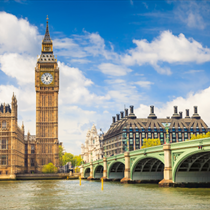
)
(4, 124)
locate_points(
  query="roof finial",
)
(47, 34)
(47, 18)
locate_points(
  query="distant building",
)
(92, 150)
(137, 129)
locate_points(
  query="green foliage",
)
(66, 157)
(200, 136)
(150, 143)
(49, 168)
(60, 154)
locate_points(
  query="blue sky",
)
(111, 54)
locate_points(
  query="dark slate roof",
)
(145, 123)
(47, 35)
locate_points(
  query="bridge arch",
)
(87, 172)
(116, 170)
(192, 167)
(147, 168)
(98, 171)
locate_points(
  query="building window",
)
(32, 149)
(173, 137)
(3, 144)
(43, 161)
(137, 144)
(180, 136)
(124, 135)
(137, 135)
(32, 162)
(155, 135)
(131, 145)
(185, 135)
(131, 135)
(93, 141)
(26, 164)
(26, 149)
(0, 172)
(3, 160)
(149, 135)
(4, 124)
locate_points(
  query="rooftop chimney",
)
(118, 116)
(175, 115)
(126, 112)
(121, 115)
(152, 115)
(196, 115)
(180, 114)
(187, 113)
(131, 109)
(113, 119)
(132, 115)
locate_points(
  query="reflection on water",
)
(67, 194)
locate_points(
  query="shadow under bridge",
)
(148, 170)
(194, 169)
(99, 171)
(117, 171)
(87, 173)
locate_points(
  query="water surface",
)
(67, 194)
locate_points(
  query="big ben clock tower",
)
(47, 87)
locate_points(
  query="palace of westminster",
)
(20, 153)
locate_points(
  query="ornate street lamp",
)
(167, 135)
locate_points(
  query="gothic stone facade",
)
(27, 154)
(134, 130)
(11, 141)
(47, 87)
(92, 150)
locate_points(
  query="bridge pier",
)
(105, 169)
(91, 171)
(167, 179)
(126, 178)
(82, 172)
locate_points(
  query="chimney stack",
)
(118, 116)
(180, 114)
(131, 109)
(196, 115)
(152, 115)
(113, 119)
(126, 112)
(151, 109)
(187, 113)
(175, 115)
(121, 115)
(175, 109)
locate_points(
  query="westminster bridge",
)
(169, 164)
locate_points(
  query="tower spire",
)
(47, 34)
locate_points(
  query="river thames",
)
(67, 194)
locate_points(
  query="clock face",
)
(46, 78)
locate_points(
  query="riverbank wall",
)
(40, 176)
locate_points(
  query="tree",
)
(78, 160)
(150, 143)
(60, 154)
(49, 168)
(67, 157)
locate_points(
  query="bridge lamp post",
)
(167, 139)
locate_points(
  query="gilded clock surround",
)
(46, 85)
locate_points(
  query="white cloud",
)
(166, 48)
(17, 35)
(200, 99)
(18, 66)
(193, 13)
(113, 70)
(68, 48)
(73, 87)
(144, 84)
